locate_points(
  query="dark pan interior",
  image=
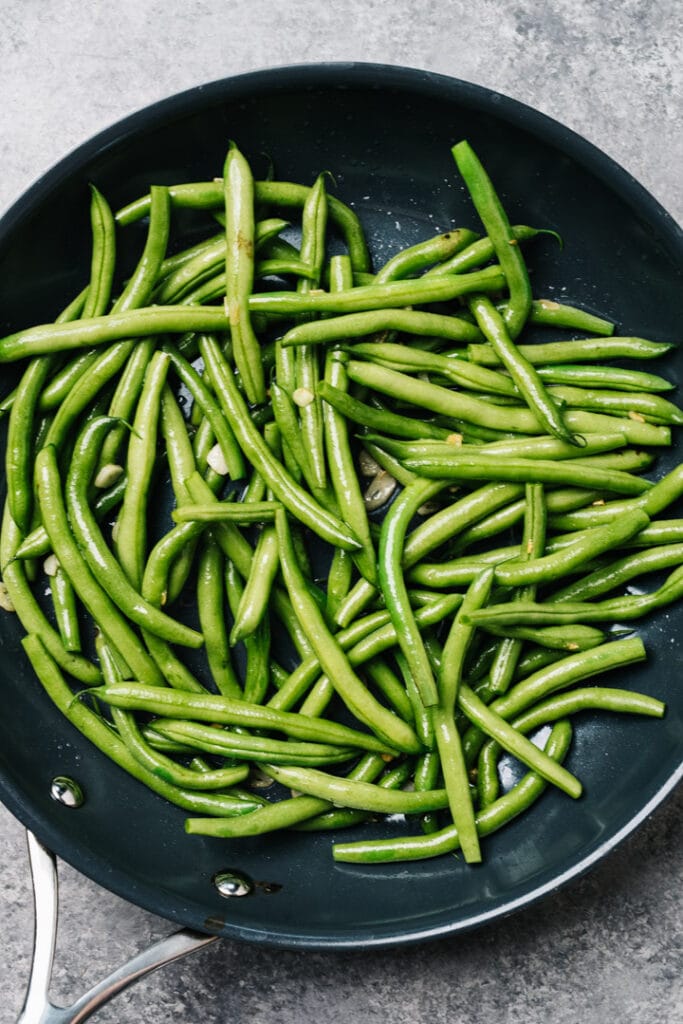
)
(385, 134)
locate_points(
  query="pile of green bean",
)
(326, 542)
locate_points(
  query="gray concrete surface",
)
(609, 947)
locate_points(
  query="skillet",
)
(385, 134)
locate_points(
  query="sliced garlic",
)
(303, 397)
(216, 460)
(5, 599)
(367, 464)
(108, 475)
(50, 565)
(379, 491)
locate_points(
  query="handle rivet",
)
(66, 791)
(229, 883)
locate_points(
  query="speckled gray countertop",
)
(610, 946)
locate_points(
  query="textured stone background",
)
(610, 946)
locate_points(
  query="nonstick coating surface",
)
(385, 134)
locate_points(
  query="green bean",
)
(104, 368)
(556, 314)
(588, 545)
(366, 770)
(239, 271)
(29, 611)
(435, 531)
(417, 258)
(393, 294)
(532, 548)
(212, 619)
(332, 659)
(219, 709)
(447, 736)
(560, 638)
(294, 439)
(358, 325)
(65, 609)
(365, 796)
(482, 250)
(488, 820)
(376, 634)
(537, 397)
(560, 500)
(254, 602)
(367, 416)
(270, 818)
(252, 748)
(581, 349)
(103, 257)
(239, 551)
(19, 446)
(515, 742)
(488, 783)
(93, 596)
(660, 496)
(459, 371)
(568, 671)
(220, 423)
(590, 698)
(343, 476)
(390, 687)
(282, 194)
(498, 229)
(461, 464)
(653, 406)
(131, 535)
(616, 378)
(166, 769)
(240, 512)
(307, 370)
(256, 644)
(541, 446)
(609, 577)
(54, 393)
(150, 320)
(393, 587)
(126, 395)
(474, 410)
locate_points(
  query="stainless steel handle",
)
(37, 1007)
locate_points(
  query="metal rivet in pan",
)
(229, 883)
(66, 791)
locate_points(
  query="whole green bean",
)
(209, 707)
(358, 325)
(343, 476)
(607, 578)
(537, 397)
(239, 271)
(581, 349)
(94, 597)
(498, 228)
(393, 586)
(416, 258)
